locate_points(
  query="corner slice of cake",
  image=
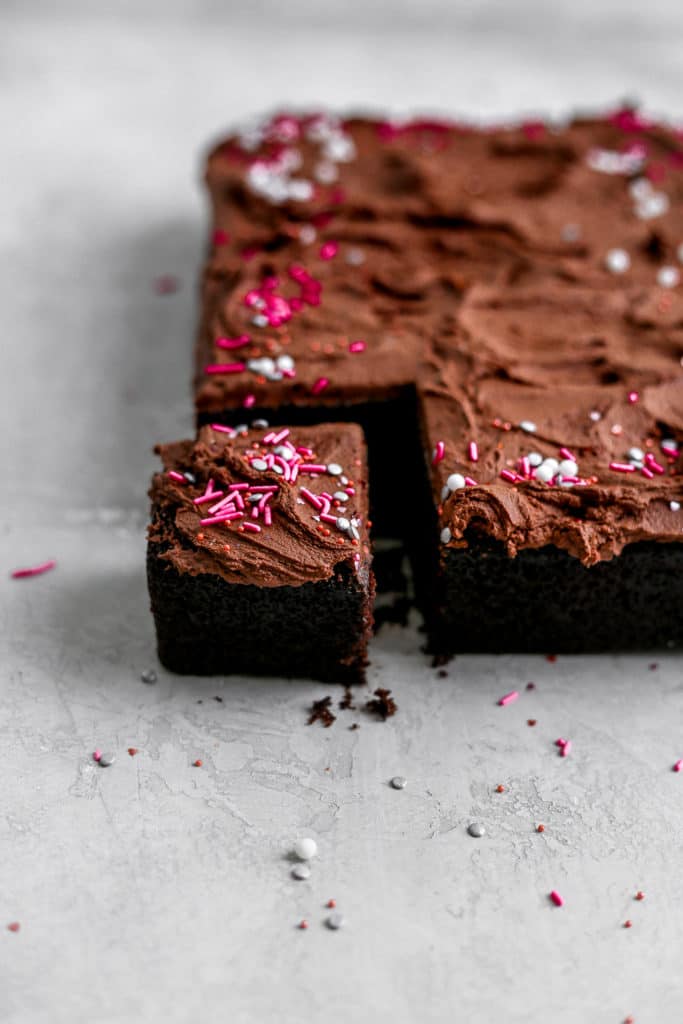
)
(558, 514)
(258, 552)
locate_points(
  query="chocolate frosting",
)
(296, 547)
(512, 274)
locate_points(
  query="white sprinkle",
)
(355, 257)
(544, 473)
(300, 189)
(301, 872)
(257, 425)
(334, 469)
(534, 459)
(284, 362)
(528, 426)
(259, 464)
(399, 782)
(595, 416)
(325, 172)
(567, 468)
(617, 261)
(446, 535)
(105, 760)
(654, 205)
(570, 232)
(640, 188)
(305, 849)
(445, 491)
(455, 481)
(342, 524)
(307, 234)
(335, 921)
(675, 506)
(340, 496)
(636, 454)
(668, 277)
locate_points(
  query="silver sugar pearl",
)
(399, 782)
(335, 921)
(148, 676)
(106, 760)
(476, 830)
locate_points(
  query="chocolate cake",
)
(258, 557)
(500, 310)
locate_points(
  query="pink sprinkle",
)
(633, 397)
(509, 698)
(220, 237)
(254, 527)
(524, 467)
(678, 766)
(227, 500)
(556, 898)
(320, 385)
(311, 498)
(622, 467)
(470, 482)
(267, 516)
(209, 496)
(225, 368)
(439, 453)
(294, 474)
(560, 742)
(357, 346)
(35, 570)
(221, 429)
(239, 487)
(97, 754)
(312, 467)
(264, 489)
(350, 491)
(329, 250)
(240, 342)
(566, 748)
(281, 436)
(473, 451)
(305, 451)
(327, 518)
(178, 477)
(507, 474)
(646, 472)
(567, 454)
(248, 401)
(653, 464)
(224, 517)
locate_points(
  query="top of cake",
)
(267, 506)
(524, 274)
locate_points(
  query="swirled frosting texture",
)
(514, 275)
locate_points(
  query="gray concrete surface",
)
(156, 891)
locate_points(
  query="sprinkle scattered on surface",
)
(35, 570)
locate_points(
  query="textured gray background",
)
(157, 891)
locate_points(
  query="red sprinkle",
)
(329, 250)
(197, 764)
(35, 570)
(132, 751)
(320, 385)
(166, 284)
(331, 904)
(640, 895)
(14, 926)
(302, 925)
(556, 898)
(678, 766)
(628, 924)
(220, 237)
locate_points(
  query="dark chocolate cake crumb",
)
(383, 704)
(354, 726)
(320, 712)
(346, 703)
